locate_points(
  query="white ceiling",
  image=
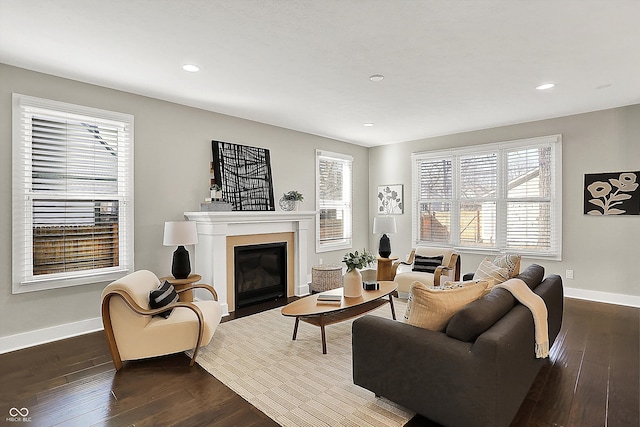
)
(449, 66)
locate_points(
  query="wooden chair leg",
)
(108, 330)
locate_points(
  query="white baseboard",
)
(606, 297)
(304, 290)
(54, 333)
(224, 309)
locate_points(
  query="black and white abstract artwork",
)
(613, 193)
(244, 174)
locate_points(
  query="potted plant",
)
(289, 200)
(352, 280)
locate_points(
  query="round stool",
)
(325, 277)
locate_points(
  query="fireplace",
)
(260, 272)
(220, 232)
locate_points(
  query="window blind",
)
(496, 197)
(435, 199)
(73, 188)
(334, 197)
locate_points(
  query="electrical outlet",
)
(569, 274)
(320, 261)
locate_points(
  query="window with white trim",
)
(333, 200)
(504, 197)
(72, 194)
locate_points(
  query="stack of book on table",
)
(330, 297)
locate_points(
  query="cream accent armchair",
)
(134, 333)
(449, 270)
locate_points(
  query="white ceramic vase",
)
(352, 284)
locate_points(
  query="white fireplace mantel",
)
(214, 227)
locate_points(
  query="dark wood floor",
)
(591, 379)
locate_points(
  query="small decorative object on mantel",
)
(289, 200)
(612, 193)
(216, 192)
(352, 280)
(215, 202)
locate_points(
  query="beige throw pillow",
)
(432, 308)
(488, 270)
(509, 261)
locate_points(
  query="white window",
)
(503, 197)
(333, 200)
(72, 194)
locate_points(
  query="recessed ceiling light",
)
(376, 77)
(368, 124)
(191, 68)
(546, 86)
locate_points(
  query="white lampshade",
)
(384, 225)
(179, 233)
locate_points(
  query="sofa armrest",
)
(440, 270)
(454, 264)
(400, 264)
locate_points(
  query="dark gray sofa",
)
(475, 373)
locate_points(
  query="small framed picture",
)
(390, 199)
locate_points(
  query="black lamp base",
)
(384, 249)
(181, 266)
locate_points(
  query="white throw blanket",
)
(533, 302)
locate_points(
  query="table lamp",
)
(180, 233)
(384, 225)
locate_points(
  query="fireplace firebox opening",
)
(260, 272)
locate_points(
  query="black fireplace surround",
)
(260, 272)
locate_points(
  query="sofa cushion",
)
(478, 316)
(427, 264)
(431, 308)
(489, 270)
(509, 261)
(162, 297)
(532, 275)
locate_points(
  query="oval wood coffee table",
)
(322, 313)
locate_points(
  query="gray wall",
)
(602, 251)
(172, 155)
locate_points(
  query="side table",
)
(180, 284)
(384, 268)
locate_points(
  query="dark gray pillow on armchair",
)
(162, 297)
(427, 264)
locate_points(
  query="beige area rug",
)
(292, 381)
